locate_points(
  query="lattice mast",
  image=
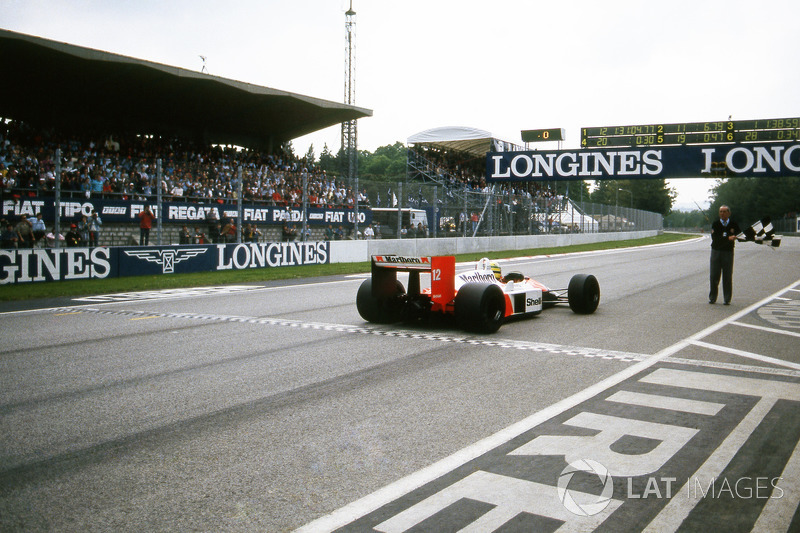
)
(350, 128)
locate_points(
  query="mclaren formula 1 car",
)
(479, 300)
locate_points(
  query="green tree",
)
(605, 192)
(377, 165)
(394, 151)
(646, 194)
(385, 163)
(695, 219)
(310, 158)
(396, 170)
(574, 189)
(328, 161)
(651, 195)
(750, 199)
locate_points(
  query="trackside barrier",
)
(358, 251)
(50, 264)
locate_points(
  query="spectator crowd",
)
(125, 168)
(458, 170)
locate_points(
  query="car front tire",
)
(583, 294)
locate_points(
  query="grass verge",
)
(25, 291)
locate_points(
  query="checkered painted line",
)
(395, 333)
(166, 293)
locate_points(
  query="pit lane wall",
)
(50, 264)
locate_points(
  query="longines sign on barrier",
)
(684, 161)
(40, 264)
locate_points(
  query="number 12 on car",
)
(443, 275)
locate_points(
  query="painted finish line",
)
(671, 447)
(397, 333)
(166, 293)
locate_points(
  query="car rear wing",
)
(442, 270)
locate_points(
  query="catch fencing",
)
(267, 193)
(465, 212)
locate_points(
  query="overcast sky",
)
(501, 66)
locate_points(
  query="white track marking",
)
(381, 497)
(778, 512)
(171, 294)
(769, 330)
(665, 402)
(748, 355)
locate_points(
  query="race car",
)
(479, 300)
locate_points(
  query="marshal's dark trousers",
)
(721, 265)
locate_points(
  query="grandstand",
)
(125, 130)
(455, 158)
(77, 89)
(112, 116)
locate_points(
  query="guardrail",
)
(58, 264)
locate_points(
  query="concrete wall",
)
(361, 251)
(349, 251)
(128, 234)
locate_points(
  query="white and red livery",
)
(480, 300)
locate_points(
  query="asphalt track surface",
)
(274, 407)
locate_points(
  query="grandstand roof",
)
(50, 83)
(462, 139)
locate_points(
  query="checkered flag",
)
(761, 232)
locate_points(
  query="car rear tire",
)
(480, 307)
(383, 310)
(583, 294)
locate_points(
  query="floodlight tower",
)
(349, 128)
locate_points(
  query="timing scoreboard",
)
(549, 134)
(728, 131)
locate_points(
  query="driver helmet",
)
(495, 268)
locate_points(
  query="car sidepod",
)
(523, 299)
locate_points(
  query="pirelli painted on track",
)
(672, 448)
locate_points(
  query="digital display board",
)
(551, 134)
(729, 131)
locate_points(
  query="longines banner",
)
(47, 264)
(193, 214)
(684, 161)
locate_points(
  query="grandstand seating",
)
(124, 168)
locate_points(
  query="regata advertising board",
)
(49, 264)
(119, 211)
